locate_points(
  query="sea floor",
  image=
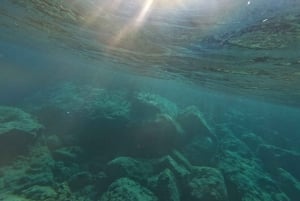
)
(81, 142)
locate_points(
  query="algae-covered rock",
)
(12, 118)
(244, 176)
(193, 122)
(67, 154)
(156, 137)
(200, 144)
(68, 110)
(129, 167)
(165, 186)
(32, 170)
(40, 193)
(289, 184)
(94, 118)
(274, 157)
(206, 183)
(80, 180)
(18, 130)
(91, 101)
(125, 189)
(11, 197)
(252, 140)
(180, 170)
(147, 105)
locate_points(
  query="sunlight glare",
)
(145, 10)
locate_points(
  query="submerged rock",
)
(18, 130)
(156, 137)
(244, 176)
(67, 154)
(289, 184)
(80, 180)
(171, 178)
(147, 105)
(200, 144)
(274, 157)
(138, 170)
(194, 124)
(165, 186)
(204, 184)
(94, 118)
(40, 193)
(125, 189)
(252, 140)
(32, 170)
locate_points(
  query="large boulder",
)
(199, 143)
(156, 137)
(18, 131)
(71, 108)
(147, 105)
(94, 118)
(194, 124)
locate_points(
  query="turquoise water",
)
(150, 100)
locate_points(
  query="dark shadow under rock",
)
(18, 131)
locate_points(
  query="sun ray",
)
(106, 7)
(134, 24)
(143, 13)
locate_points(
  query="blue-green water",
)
(150, 100)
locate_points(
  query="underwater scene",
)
(149, 100)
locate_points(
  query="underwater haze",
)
(150, 100)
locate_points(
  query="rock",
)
(16, 119)
(34, 170)
(165, 187)
(252, 140)
(289, 184)
(274, 158)
(129, 167)
(125, 189)
(204, 184)
(11, 197)
(40, 193)
(81, 112)
(244, 176)
(146, 106)
(53, 142)
(199, 144)
(200, 151)
(18, 131)
(67, 154)
(156, 137)
(80, 180)
(180, 171)
(86, 100)
(193, 123)
(181, 159)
